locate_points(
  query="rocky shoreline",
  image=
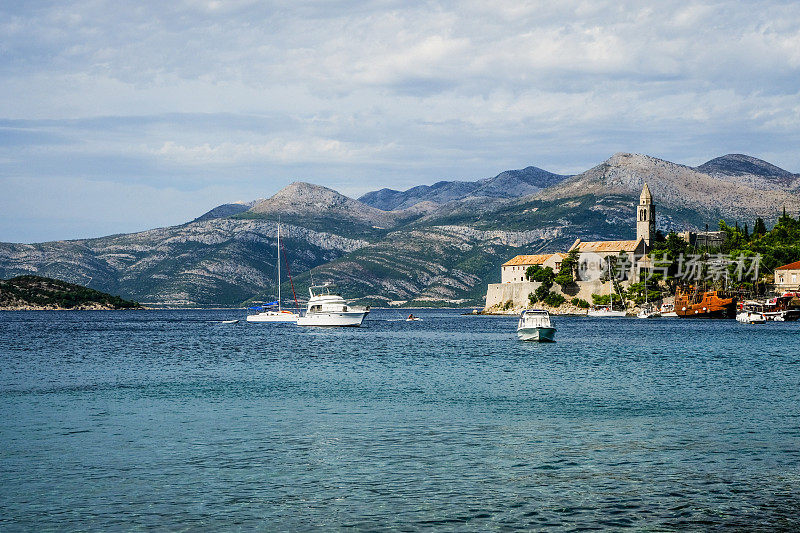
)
(87, 307)
(566, 309)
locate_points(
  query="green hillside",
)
(39, 292)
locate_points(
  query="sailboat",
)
(647, 310)
(607, 311)
(272, 312)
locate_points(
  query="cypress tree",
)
(759, 228)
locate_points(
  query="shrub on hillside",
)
(580, 302)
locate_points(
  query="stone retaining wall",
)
(517, 292)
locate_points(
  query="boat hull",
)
(750, 317)
(273, 317)
(333, 319)
(705, 305)
(783, 316)
(537, 334)
(695, 312)
(602, 313)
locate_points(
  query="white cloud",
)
(286, 151)
(386, 92)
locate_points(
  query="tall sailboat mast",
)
(279, 267)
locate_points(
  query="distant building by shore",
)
(703, 239)
(787, 278)
(513, 270)
(515, 287)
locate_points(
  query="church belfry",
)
(646, 217)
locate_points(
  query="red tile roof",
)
(790, 266)
(606, 246)
(527, 260)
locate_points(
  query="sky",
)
(123, 116)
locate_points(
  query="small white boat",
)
(751, 313)
(412, 318)
(750, 317)
(534, 325)
(668, 311)
(272, 312)
(648, 311)
(605, 311)
(230, 321)
(327, 308)
(269, 314)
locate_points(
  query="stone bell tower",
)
(646, 217)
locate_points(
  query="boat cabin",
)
(534, 318)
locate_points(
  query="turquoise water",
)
(169, 419)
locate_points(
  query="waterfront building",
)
(514, 287)
(634, 250)
(646, 217)
(787, 278)
(514, 269)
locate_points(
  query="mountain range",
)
(435, 245)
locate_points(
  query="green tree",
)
(759, 228)
(566, 274)
(580, 302)
(544, 275)
(667, 254)
(639, 293)
(554, 299)
(531, 272)
(541, 292)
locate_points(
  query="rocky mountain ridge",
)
(429, 251)
(750, 171)
(508, 184)
(736, 195)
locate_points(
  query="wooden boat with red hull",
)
(704, 304)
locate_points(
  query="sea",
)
(170, 420)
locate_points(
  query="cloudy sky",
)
(123, 116)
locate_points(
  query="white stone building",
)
(514, 269)
(515, 287)
(787, 278)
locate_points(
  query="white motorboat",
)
(668, 311)
(534, 325)
(751, 313)
(272, 312)
(750, 317)
(327, 308)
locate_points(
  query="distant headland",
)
(37, 293)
